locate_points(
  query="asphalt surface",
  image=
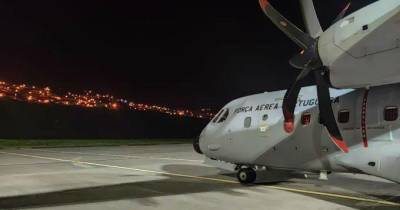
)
(169, 177)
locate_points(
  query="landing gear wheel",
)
(246, 175)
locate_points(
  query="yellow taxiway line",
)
(332, 195)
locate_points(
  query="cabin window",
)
(224, 116)
(247, 122)
(265, 117)
(306, 118)
(391, 113)
(217, 116)
(344, 116)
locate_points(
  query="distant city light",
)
(114, 106)
(90, 99)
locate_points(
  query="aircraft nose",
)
(196, 145)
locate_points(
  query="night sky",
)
(176, 53)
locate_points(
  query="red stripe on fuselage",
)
(364, 119)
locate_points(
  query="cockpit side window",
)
(217, 116)
(224, 116)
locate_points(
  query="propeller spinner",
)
(308, 61)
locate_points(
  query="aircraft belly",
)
(301, 150)
(245, 147)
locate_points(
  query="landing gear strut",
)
(246, 175)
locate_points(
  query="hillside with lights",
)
(32, 112)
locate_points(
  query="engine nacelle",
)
(363, 49)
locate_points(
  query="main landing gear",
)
(246, 175)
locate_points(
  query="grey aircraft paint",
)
(252, 133)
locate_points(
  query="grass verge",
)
(41, 143)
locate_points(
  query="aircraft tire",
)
(246, 175)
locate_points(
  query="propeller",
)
(308, 60)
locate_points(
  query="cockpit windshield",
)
(217, 116)
(224, 116)
(221, 116)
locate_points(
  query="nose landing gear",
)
(246, 175)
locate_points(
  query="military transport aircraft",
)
(323, 128)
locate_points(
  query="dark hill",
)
(19, 120)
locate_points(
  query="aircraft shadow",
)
(141, 191)
(144, 191)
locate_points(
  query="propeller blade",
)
(311, 21)
(342, 13)
(325, 110)
(303, 40)
(307, 59)
(290, 101)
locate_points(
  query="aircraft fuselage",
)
(252, 132)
